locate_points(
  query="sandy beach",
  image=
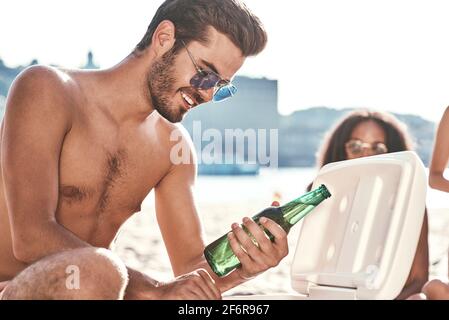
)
(140, 243)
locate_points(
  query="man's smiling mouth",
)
(189, 101)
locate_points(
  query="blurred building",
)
(90, 64)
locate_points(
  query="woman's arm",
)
(440, 156)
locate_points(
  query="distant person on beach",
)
(364, 133)
(81, 150)
(437, 289)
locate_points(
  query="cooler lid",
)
(365, 236)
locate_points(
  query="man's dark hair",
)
(193, 17)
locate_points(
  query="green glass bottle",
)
(219, 253)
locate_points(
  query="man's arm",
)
(181, 227)
(440, 156)
(37, 118)
(183, 235)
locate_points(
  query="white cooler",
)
(360, 243)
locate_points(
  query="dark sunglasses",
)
(207, 79)
(356, 147)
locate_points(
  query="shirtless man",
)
(80, 151)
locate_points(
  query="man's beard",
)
(161, 82)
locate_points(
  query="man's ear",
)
(163, 38)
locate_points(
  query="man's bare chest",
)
(108, 173)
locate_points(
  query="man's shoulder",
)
(42, 87)
(42, 76)
(178, 142)
(173, 132)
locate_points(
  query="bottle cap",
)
(324, 191)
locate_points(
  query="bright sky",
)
(386, 54)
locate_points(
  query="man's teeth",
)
(186, 98)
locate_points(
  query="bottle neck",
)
(297, 209)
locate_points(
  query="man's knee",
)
(87, 273)
(101, 274)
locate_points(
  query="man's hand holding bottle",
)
(258, 255)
